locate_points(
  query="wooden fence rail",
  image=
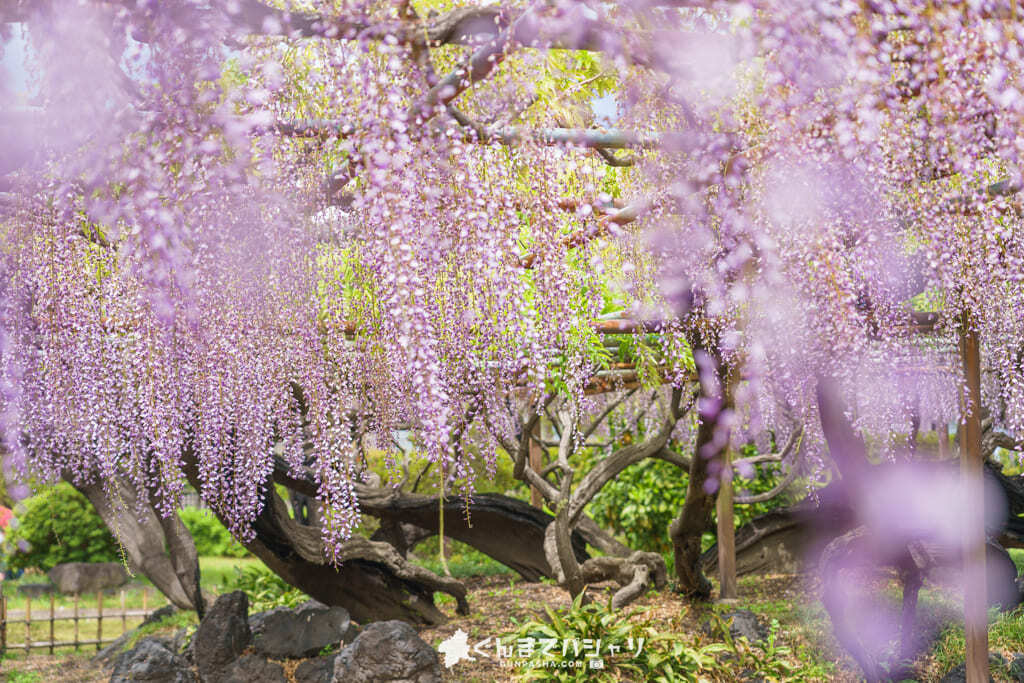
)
(11, 624)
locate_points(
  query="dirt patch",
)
(498, 603)
(64, 668)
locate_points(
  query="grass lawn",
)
(1005, 636)
(1017, 555)
(462, 560)
(215, 573)
(137, 592)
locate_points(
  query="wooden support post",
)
(76, 622)
(99, 619)
(726, 532)
(124, 615)
(3, 622)
(536, 464)
(971, 467)
(942, 432)
(724, 500)
(51, 623)
(28, 624)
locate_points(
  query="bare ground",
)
(64, 668)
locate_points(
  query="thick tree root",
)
(635, 574)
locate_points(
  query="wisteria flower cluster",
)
(243, 235)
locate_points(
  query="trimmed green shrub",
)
(57, 525)
(212, 538)
(640, 503)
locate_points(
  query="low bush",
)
(212, 538)
(463, 560)
(641, 502)
(266, 590)
(58, 525)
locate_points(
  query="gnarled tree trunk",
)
(372, 580)
(505, 529)
(161, 548)
(695, 518)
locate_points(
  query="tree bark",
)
(634, 574)
(160, 548)
(695, 518)
(505, 529)
(593, 534)
(536, 463)
(372, 580)
(403, 537)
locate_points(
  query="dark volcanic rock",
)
(388, 651)
(742, 624)
(316, 670)
(222, 636)
(253, 669)
(151, 660)
(300, 632)
(110, 652)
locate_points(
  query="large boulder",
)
(387, 651)
(74, 578)
(222, 636)
(304, 631)
(35, 590)
(151, 660)
(742, 623)
(252, 669)
(316, 670)
(111, 652)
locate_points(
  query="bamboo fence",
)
(87, 629)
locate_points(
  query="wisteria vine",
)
(242, 234)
